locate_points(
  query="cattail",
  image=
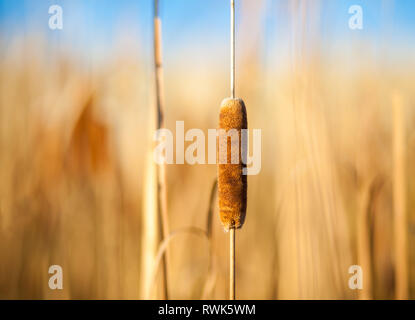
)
(232, 183)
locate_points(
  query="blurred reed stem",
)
(161, 169)
(399, 201)
(232, 264)
(363, 240)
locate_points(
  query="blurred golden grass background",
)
(338, 144)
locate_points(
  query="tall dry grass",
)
(77, 189)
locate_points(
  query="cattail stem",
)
(161, 169)
(232, 230)
(232, 49)
(232, 263)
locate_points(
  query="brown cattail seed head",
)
(232, 183)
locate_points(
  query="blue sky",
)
(98, 24)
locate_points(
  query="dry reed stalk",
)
(252, 26)
(367, 180)
(363, 240)
(161, 169)
(312, 231)
(149, 226)
(165, 243)
(211, 278)
(211, 274)
(211, 208)
(399, 199)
